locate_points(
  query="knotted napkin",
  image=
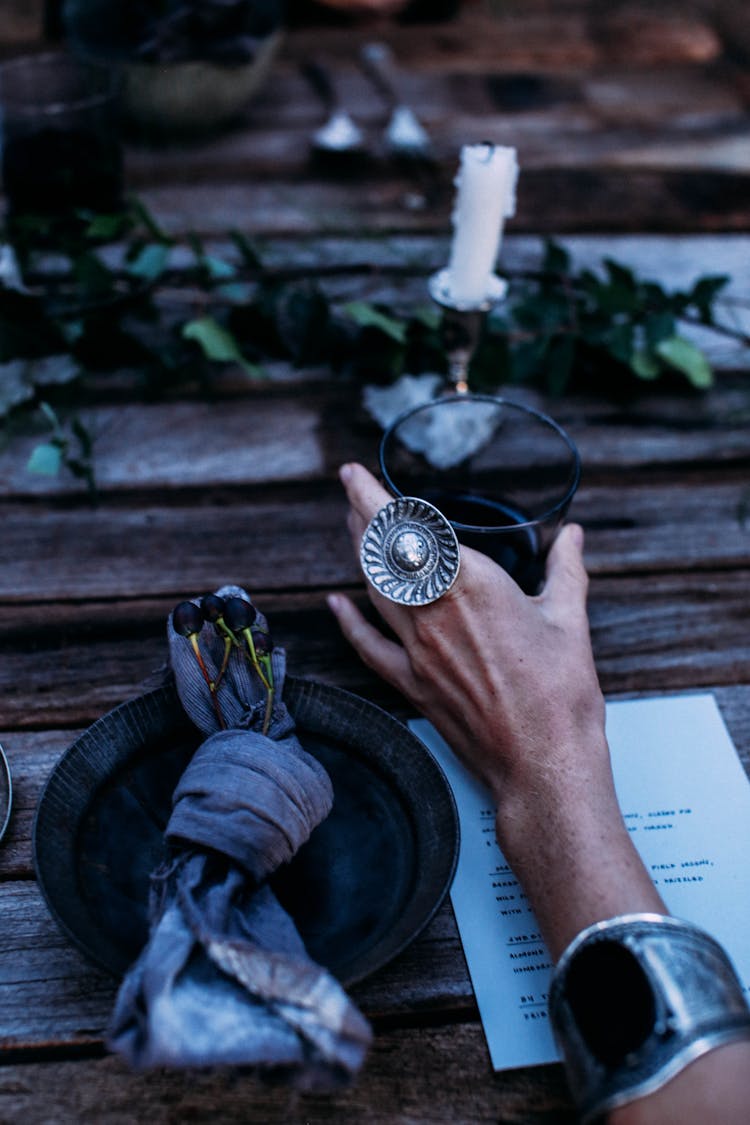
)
(224, 977)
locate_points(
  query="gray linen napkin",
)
(224, 977)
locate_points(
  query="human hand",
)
(509, 681)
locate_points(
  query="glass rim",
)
(84, 100)
(538, 415)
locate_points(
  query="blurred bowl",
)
(195, 96)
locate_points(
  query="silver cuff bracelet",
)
(636, 998)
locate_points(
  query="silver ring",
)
(410, 552)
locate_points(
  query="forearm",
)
(583, 868)
(566, 840)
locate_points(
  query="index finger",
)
(366, 495)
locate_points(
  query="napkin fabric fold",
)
(224, 978)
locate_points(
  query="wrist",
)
(569, 796)
(570, 849)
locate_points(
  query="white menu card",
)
(686, 801)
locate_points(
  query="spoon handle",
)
(320, 80)
(380, 65)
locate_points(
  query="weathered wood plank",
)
(53, 995)
(300, 541)
(31, 758)
(654, 632)
(654, 121)
(644, 641)
(288, 436)
(413, 1075)
(44, 974)
(617, 200)
(518, 37)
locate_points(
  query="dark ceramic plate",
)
(6, 793)
(369, 879)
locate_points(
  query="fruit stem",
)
(211, 685)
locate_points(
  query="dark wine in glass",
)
(476, 520)
(505, 490)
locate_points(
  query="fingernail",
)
(345, 474)
(576, 534)
(334, 603)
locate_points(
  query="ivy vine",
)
(95, 298)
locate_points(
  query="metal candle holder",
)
(463, 324)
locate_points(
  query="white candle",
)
(486, 196)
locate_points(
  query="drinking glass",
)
(59, 137)
(502, 474)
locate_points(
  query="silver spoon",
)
(340, 134)
(404, 134)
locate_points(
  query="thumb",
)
(567, 582)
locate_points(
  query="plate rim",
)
(303, 696)
(8, 786)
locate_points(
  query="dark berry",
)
(187, 619)
(238, 614)
(212, 607)
(261, 642)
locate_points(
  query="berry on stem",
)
(239, 616)
(212, 607)
(187, 621)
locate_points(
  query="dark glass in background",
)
(59, 136)
(506, 498)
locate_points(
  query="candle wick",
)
(490, 146)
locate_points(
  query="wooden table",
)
(243, 488)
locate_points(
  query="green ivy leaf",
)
(46, 459)
(619, 342)
(367, 316)
(428, 317)
(150, 261)
(249, 251)
(704, 293)
(302, 319)
(556, 258)
(105, 228)
(620, 275)
(15, 385)
(85, 438)
(645, 365)
(217, 268)
(683, 355)
(92, 275)
(218, 344)
(143, 215)
(614, 298)
(235, 292)
(559, 364)
(658, 328)
(527, 359)
(72, 331)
